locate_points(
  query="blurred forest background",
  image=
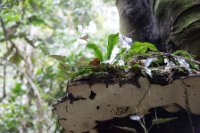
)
(31, 30)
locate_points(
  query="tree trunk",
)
(172, 24)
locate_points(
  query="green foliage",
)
(11, 118)
(139, 48)
(35, 20)
(143, 47)
(65, 69)
(16, 59)
(186, 55)
(182, 53)
(39, 28)
(142, 57)
(34, 30)
(83, 71)
(17, 90)
(97, 52)
(112, 41)
(58, 57)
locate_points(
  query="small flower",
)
(136, 117)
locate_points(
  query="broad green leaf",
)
(96, 50)
(112, 41)
(58, 57)
(139, 47)
(162, 121)
(143, 47)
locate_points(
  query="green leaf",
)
(96, 50)
(83, 71)
(186, 55)
(15, 59)
(128, 129)
(160, 60)
(71, 74)
(39, 71)
(122, 51)
(151, 46)
(182, 53)
(36, 21)
(138, 47)
(18, 89)
(143, 47)
(112, 41)
(62, 76)
(162, 121)
(10, 15)
(194, 65)
(120, 54)
(63, 67)
(58, 57)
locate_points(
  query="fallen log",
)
(85, 105)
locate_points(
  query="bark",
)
(176, 23)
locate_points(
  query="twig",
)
(4, 81)
(29, 41)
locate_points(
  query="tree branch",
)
(4, 82)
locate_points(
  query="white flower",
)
(136, 117)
